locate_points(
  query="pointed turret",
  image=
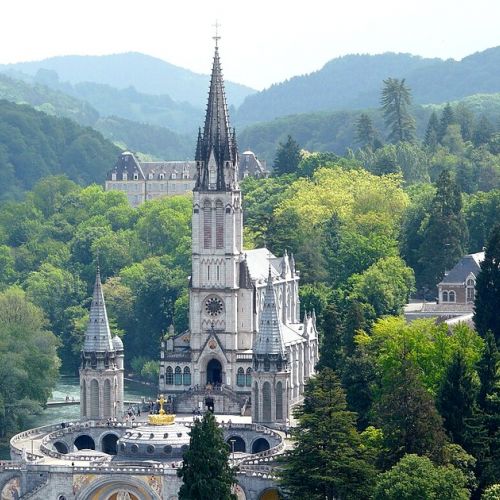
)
(216, 149)
(98, 335)
(269, 340)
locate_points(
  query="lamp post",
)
(232, 448)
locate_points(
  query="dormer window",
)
(174, 176)
(113, 176)
(162, 176)
(150, 176)
(124, 176)
(136, 176)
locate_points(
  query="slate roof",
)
(98, 334)
(464, 267)
(269, 340)
(258, 261)
(167, 168)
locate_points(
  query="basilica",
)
(246, 350)
(246, 353)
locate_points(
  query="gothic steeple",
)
(269, 340)
(216, 157)
(98, 334)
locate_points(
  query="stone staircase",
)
(225, 400)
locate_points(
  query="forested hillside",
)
(336, 131)
(145, 73)
(34, 145)
(353, 82)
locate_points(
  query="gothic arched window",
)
(249, 378)
(187, 376)
(240, 377)
(178, 376)
(266, 402)
(219, 224)
(452, 296)
(169, 376)
(445, 296)
(279, 401)
(207, 224)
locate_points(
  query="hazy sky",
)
(263, 41)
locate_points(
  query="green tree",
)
(431, 138)
(484, 131)
(327, 460)
(415, 477)
(29, 366)
(487, 301)
(395, 100)
(457, 397)
(407, 415)
(491, 493)
(365, 131)
(205, 470)
(444, 237)
(288, 156)
(330, 352)
(447, 119)
(385, 285)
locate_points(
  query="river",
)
(70, 386)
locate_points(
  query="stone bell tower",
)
(101, 370)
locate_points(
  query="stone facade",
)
(227, 295)
(102, 367)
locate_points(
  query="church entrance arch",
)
(239, 444)
(84, 442)
(214, 372)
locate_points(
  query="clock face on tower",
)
(214, 306)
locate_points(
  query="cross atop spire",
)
(217, 36)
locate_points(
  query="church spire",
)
(215, 152)
(269, 341)
(98, 334)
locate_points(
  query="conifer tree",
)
(205, 469)
(365, 131)
(407, 415)
(484, 131)
(330, 354)
(444, 237)
(327, 461)
(432, 132)
(487, 301)
(447, 119)
(395, 100)
(457, 397)
(288, 156)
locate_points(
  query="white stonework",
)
(227, 294)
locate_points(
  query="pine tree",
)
(365, 131)
(205, 469)
(432, 132)
(487, 301)
(395, 100)
(330, 353)
(484, 131)
(457, 397)
(444, 238)
(327, 460)
(407, 415)
(447, 119)
(288, 156)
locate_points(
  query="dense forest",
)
(34, 145)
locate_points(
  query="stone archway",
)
(260, 445)
(239, 444)
(84, 442)
(61, 447)
(108, 443)
(125, 488)
(214, 372)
